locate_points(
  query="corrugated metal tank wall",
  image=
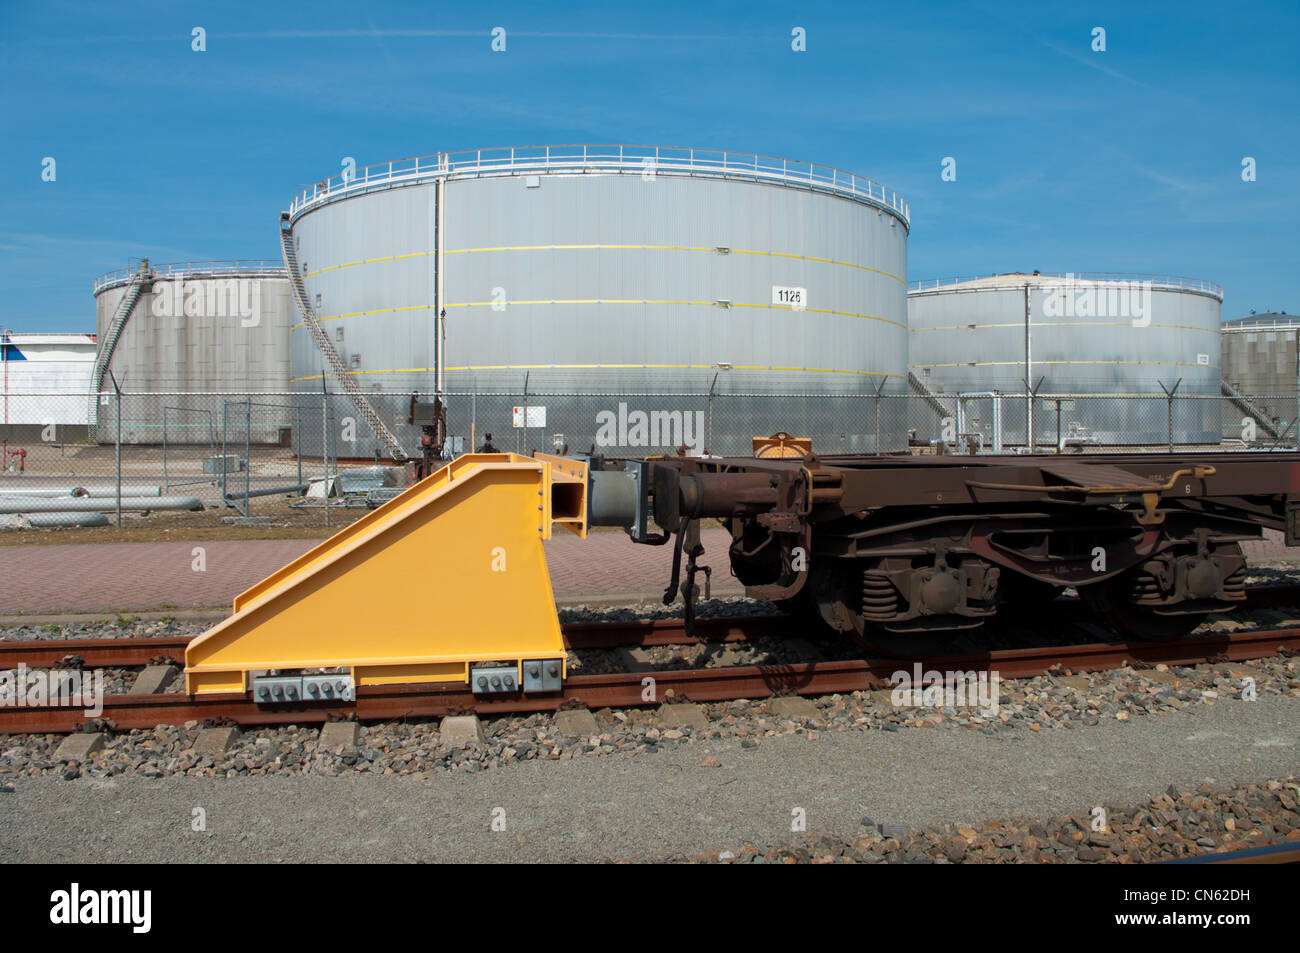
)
(1262, 361)
(970, 337)
(609, 283)
(216, 334)
(162, 350)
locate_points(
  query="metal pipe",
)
(1029, 374)
(278, 490)
(96, 491)
(44, 520)
(997, 414)
(90, 504)
(439, 330)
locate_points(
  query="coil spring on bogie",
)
(879, 597)
(1234, 587)
(1145, 588)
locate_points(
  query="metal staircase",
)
(931, 398)
(130, 295)
(326, 347)
(1243, 403)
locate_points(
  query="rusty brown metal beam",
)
(94, 653)
(132, 652)
(395, 702)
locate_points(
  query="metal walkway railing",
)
(1016, 279)
(244, 268)
(644, 160)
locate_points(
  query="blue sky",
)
(1067, 159)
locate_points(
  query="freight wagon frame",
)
(898, 552)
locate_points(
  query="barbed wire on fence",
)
(292, 452)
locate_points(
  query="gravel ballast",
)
(683, 800)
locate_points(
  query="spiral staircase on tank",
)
(350, 388)
(141, 280)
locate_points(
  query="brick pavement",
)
(121, 577)
(139, 577)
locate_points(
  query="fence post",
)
(324, 445)
(709, 438)
(225, 406)
(879, 389)
(166, 483)
(526, 374)
(117, 444)
(1169, 410)
(248, 451)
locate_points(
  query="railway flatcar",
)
(904, 551)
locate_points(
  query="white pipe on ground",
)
(75, 490)
(90, 504)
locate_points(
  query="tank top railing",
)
(244, 268)
(1017, 279)
(646, 160)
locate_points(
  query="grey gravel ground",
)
(142, 768)
(654, 806)
(1023, 707)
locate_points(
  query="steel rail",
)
(126, 653)
(631, 690)
(92, 653)
(1269, 854)
(131, 652)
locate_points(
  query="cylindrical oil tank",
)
(578, 280)
(1261, 354)
(1110, 359)
(197, 329)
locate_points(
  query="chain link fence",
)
(309, 459)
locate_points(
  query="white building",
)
(45, 378)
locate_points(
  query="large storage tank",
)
(595, 271)
(196, 328)
(1101, 344)
(1261, 358)
(1261, 375)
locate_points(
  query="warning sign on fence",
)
(536, 417)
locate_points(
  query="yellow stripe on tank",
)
(570, 367)
(615, 247)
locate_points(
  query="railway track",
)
(629, 690)
(646, 633)
(129, 653)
